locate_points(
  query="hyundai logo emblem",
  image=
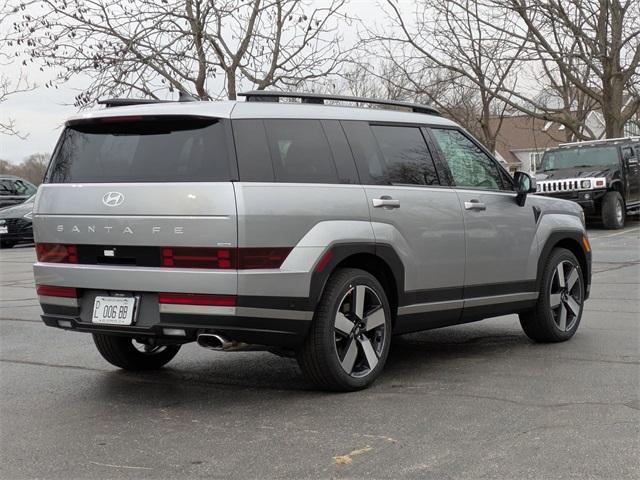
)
(113, 199)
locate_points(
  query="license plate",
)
(113, 310)
(4, 229)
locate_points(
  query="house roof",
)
(525, 133)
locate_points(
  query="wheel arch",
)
(381, 261)
(572, 241)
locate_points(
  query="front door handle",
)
(386, 202)
(474, 205)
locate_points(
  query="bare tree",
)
(445, 53)
(588, 51)
(32, 168)
(9, 86)
(207, 48)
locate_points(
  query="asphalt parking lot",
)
(473, 401)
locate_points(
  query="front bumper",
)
(589, 200)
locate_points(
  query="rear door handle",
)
(474, 205)
(386, 202)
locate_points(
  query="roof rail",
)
(602, 140)
(320, 98)
(125, 102)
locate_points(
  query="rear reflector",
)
(50, 291)
(56, 253)
(224, 258)
(197, 299)
(326, 258)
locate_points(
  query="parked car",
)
(14, 190)
(304, 229)
(603, 176)
(16, 224)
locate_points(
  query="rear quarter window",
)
(287, 151)
(159, 149)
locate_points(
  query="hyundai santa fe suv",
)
(297, 227)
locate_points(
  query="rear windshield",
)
(579, 158)
(142, 149)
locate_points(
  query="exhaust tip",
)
(212, 341)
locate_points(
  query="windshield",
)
(159, 149)
(579, 157)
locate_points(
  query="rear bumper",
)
(262, 321)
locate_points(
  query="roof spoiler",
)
(125, 102)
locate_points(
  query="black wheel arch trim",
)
(554, 240)
(342, 251)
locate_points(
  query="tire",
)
(613, 211)
(6, 243)
(558, 312)
(346, 336)
(122, 352)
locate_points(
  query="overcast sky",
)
(41, 113)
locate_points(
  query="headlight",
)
(2, 221)
(28, 215)
(585, 184)
(584, 222)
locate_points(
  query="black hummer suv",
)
(603, 176)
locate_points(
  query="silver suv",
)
(300, 228)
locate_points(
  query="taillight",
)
(224, 258)
(51, 291)
(197, 299)
(186, 257)
(252, 258)
(56, 253)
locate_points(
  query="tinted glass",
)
(342, 156)
(579, 157)
(252, 149)
(405, 157)
(7, 187)
(164, 149)
(300, 151)
(469, 165)
(24, 188)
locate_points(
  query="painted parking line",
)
(615, 234)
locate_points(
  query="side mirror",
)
(524, 184)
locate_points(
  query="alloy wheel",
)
(360, 331)
(565, 297)
(147, 348)
(619, 213)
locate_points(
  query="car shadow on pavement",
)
(416, 357)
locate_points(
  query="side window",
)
(342, 155)
(300, 151)
(406, 158)
(22, 188)
(390, 154)
(628, 153)
(7, 187)
(469, 165)
(252, 149)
